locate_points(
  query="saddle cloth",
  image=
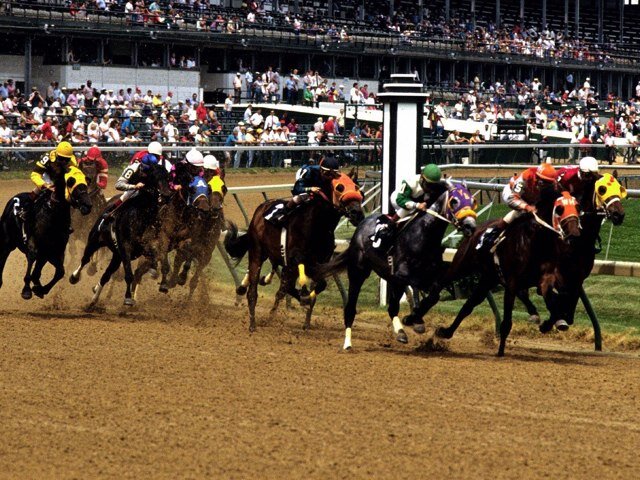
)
(276, 214)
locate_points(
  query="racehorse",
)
(299, 247)
(528, 256)
(80, 224)
(204, 234)
(129, 234)
(46, 227)
(414, 260)
(601, 199)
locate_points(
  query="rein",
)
(544, 224)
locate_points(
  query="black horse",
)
(300, 247)
(130, 233)
(47, 227)
(415, 260)
(529, 256)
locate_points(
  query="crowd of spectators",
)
(408, 23)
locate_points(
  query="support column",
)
(391, 11)
(447, 10)
(600, 4)
(27, 65)
(403, 101)
(577, 19)
(498, 13)
(621, 21)
(167, 56)
(134, 54)
(566, 17)
(473, 14)
(65, 49)
(330, 8)
(421, 10)
(522, 13)
(296, 6)
(544, 14)
(101, 52)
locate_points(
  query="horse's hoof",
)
(163, 288)
(535, 319)
(402, 337)
(182, 280)
(38, 291)
(546, 326)
(442, 332)
(73, 279)
(263, 281)
(154, 273)
(26, 294)
(408, 320)
(561, 325)
(252, 328)
(92, 269)
(305, 299)
(129, 302)
(241, 290)
(419, 327)
(306, 326)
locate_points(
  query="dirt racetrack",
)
(178, 390)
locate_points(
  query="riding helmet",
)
(94, 153)
(148, 160)
(155, 148)
(546, 172)
(211, 163)
(431, 173)
(330, 163)
(195, 158)
(64, 150)
(589, 165)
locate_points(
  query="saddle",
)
(278, 213)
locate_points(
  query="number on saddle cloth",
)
(277, 214)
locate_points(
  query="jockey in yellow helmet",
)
(51, 164)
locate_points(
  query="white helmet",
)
(589, 165)
(155, 148)
(195, 158)
(211, 163)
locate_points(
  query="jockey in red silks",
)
(574, 179)
(94, 156)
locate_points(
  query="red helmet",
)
(546, 172)
(94, 153)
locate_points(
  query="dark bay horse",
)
(47, 229)
(300, 247)
(130, 234)
(600, 200)
(204, 235)
(415, 260)
(528, 257)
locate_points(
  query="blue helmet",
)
(148, 160)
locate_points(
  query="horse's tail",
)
(236, 245)
(337, 264)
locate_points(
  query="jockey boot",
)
(107, 216)
(491, 234)
(383, 233)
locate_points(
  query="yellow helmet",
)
(64, 149)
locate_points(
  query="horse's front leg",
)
(26, 290)
(58, 264)
(128, 278)
(396, 290)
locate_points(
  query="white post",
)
(403, 127)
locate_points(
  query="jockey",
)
(130, 182)
(310, 180)
(55, 162)
(191, 165)
(414, 194)
(154, 148)
(212, 175)
(574, 179)
(522, 194)
(94, 156)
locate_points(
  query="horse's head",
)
(460, 209)
(607, 195)
(347, 198)
(565, 216)
(157, 180)
(77, 191)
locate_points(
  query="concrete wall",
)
(12, 66)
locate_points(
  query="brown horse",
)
(528, 256)
(300, 247)
(204, 233)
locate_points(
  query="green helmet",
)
(431, 173)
